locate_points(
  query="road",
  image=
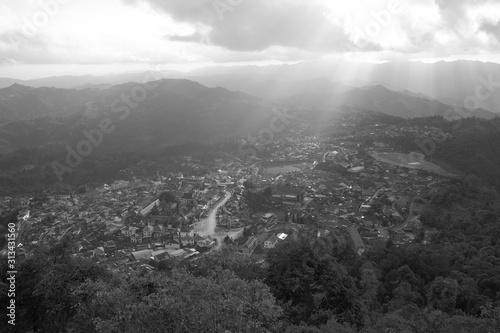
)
(206, 227)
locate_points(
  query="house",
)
(169, 234)
(249, 245)
(160, 255)
(119, 254)
(141, 247)
(141, 255)
(186, 231)
(186, 198)
(99, 252)
(266, 217)
(137, 237)
(110, 245)
(172, 244)
(158, 231)
(282, 236)
(412, 224)
(187, 241)
(202, 241)
(271, 242)
(147, 232)
(128, 231)
(179, 254)
(287, 195)
(145, 208)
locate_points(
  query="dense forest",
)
(306, 284)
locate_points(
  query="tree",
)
(184, 303)
(168, 197)
(45, 284)
(227, 258)
(155, 211)
(249, 185)
(442, 294)
(247, 232)
(311, 290)
(370, 288)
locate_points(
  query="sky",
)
(56, 37)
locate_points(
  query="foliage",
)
(184, 303)
(311, 289)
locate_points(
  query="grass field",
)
(411, 161)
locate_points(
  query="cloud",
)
(257, 25)
(454, 13)
(196, 37)
(492, 29)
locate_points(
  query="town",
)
(359, 193)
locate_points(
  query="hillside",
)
(323, 93)
(175, 112)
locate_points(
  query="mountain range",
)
(150, 111)
(158, 114)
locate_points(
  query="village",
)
(334, 187)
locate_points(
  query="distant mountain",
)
(452, 83)
(19, 103)
(277, 90)
(449, 82)
(82, 82)
(379, 98)
(174, 112)
(323, 93)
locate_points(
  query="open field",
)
(411, 161)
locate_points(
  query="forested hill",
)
(470, 145)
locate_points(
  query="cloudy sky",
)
(53, 37)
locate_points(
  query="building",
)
(158, 231)
(173, 244)
(356, 241)
(145, 209)
(136, 237)
(357, 169)
(147, 232)
(271, 242)
(202, 241)
(249, 245)
(364, 208)
(187, 241)
(160, 255)
(287, 195)
(141, 255)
